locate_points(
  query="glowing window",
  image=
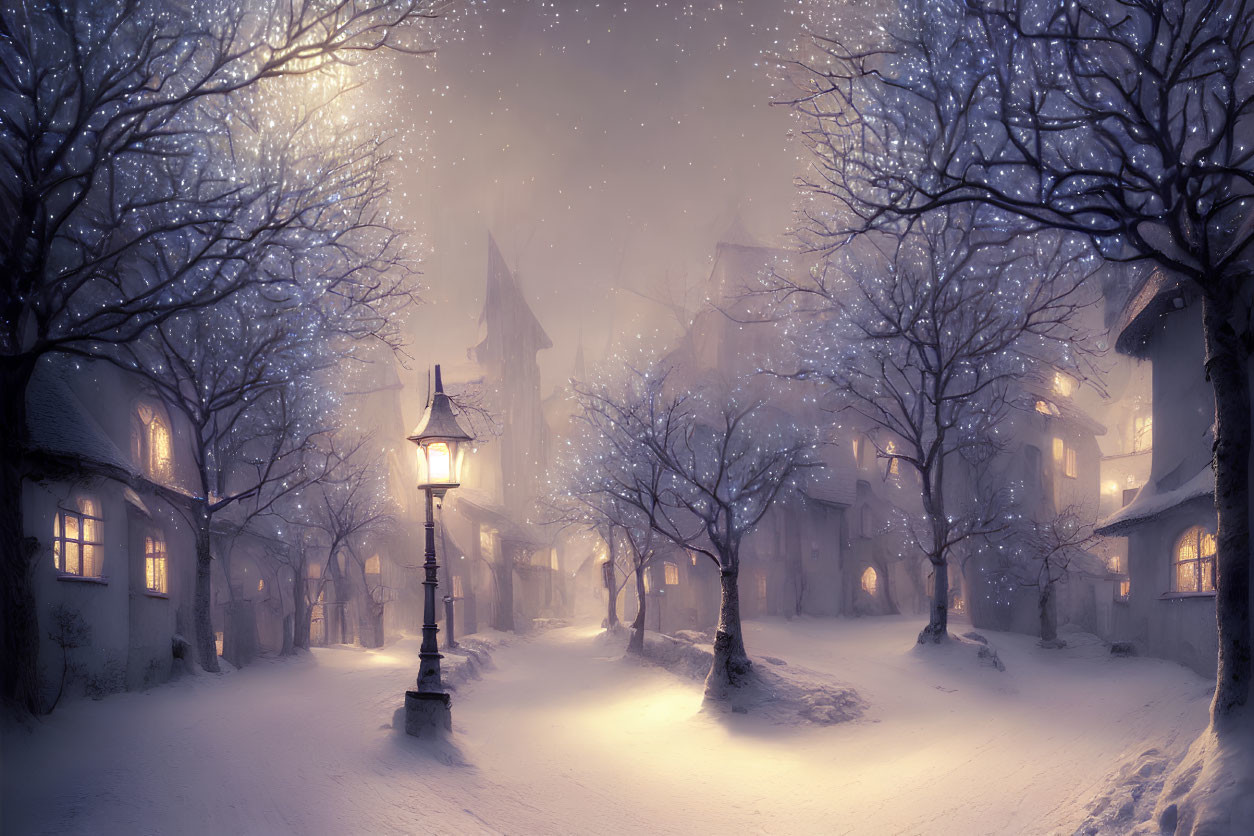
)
(218, 641)
(1125, 588)
(77, 539)
(1071, 469)
(1195, 561)
(1063, 384)
(870, 581)
(1059, 449)
(261, 585)
(373, 565)
(1142, 433)
(672, 574)
(553, 564)
(150, 442)
(156, 572)
(893, 463)
(487, 543)
(761, 581)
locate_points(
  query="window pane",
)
(71, 527)
(1208, 575)
(91, 530)
(72, 563)
(150, 573)
(1188, 547)
(56, 555)
(1186, 576)
(1209, 546)
(91, 561)
(88, 506)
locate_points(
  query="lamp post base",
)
(427, 714)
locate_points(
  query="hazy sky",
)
(604, 144)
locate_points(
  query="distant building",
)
(1169, 600)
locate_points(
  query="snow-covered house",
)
(1170, 522)
(115, 562)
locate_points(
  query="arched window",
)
(150, 442)
(155, 564)
(870, 581)
(1194, 561)
(77, 539)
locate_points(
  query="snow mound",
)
(956, 648)
(781, 693)
(1211, 791)
(1126, 802)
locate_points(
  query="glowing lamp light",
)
(441, 443)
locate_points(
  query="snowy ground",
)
(560, 737)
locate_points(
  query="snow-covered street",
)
(560, 736)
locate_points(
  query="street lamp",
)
(441, 447)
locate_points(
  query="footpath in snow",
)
(562, 735)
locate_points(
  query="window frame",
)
(60, 541)
(151, 556)
(1200, 534)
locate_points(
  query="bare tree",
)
(347, 505)
(701, 469)
(1127, 122)
(1044, 553)
(110, 157)
(921, 337)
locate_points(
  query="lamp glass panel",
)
(439, 462)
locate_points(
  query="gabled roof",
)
(511, 324)
(60, 424)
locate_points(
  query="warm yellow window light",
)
(1195, 561)
(374, 565)
(155, 564)
(1059, 449)
(77, 540)
(1063, 384)
(672, 574)
(1072, 469)
(870, 581)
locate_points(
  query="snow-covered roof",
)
(1157, 296)
(60, 424)
(1150, 502)
(836, 482)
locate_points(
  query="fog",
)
(606, 146)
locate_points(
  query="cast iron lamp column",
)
(441, 446)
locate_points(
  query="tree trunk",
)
(300, 605)
(636, 643)
(937, 628)
(731, 665)
(503, 612)
(610, 579)
(1226, 366)
(343, 594)
(1047, 605)
(19, 615)
(202, 601)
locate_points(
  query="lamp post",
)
(441, 447)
